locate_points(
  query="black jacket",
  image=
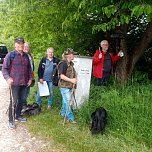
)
(41, 67)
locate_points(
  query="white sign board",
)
(83, 67)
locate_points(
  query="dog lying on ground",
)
(99, 120)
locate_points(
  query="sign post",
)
(83, 67)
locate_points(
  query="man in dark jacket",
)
(45, 71)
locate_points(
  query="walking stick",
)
(75, 100)
(11, 97)
(12, 103)
(70, 100)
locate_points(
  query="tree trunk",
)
(126, 65)
(121, 66)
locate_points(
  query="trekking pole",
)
(10, 98)
(76, 105)
(67, 110)
(12, 102)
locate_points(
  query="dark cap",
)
(19, 40)
(69, 51)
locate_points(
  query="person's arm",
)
(96, 58)
(6, 69)
(116, 57)
(65, 78)
(33, 66)
(40, 69)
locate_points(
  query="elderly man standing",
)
(45, 72)
(66, 83)
(102, 63)
(18, 74)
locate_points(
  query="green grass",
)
(129, 121)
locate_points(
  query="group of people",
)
(18, 70)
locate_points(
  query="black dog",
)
(99, 120)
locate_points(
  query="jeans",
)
(66, 93)
(27, 91)
(50, 100)
(16, 98)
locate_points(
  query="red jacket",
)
(98, 63)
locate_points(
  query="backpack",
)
(55, 75)
(12, 56)
(31, 109)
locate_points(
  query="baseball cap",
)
(69, 51)
(19, 40)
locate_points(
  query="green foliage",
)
(63, 24)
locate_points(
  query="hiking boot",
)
(72, 121)
(11, 125)
(20, 119)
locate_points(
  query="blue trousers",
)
(66, 93)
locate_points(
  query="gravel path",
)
(19, 139)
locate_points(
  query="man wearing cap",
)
(18, 74)
(66, 83)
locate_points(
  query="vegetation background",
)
(82, 24)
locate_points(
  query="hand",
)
(100, 55)
(120, 53)
(29, 83)
(74, 80)
(10, 81)
(41, 81)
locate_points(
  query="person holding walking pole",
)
(67, 83)
(18, 74)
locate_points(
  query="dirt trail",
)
(19, 139)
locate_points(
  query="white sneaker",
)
(49, 107)
(11, 125)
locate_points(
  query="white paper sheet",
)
(43, 89)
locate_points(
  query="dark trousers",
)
(102, 81)
(17, 98)
(27, 91)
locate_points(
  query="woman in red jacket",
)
(102, 63)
